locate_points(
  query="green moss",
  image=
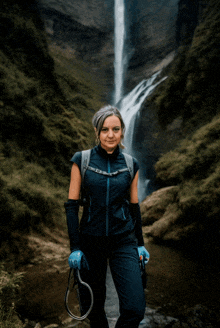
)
(195, 167)
(23, 39)
(78, 83)
(46, 104)
(192, 88)
(32, 197)
(194, 158)
(9, 287)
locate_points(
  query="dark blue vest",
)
(107, 212)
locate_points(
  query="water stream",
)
(129, 107)
(175, 280)
(119, 37)
(130, 104)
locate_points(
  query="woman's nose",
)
(110, 133)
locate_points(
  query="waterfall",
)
(119, 41)
(131, 103)
(129, 107)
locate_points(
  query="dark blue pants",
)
(121, 252)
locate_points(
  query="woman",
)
(110, 228)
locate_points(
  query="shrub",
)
(9, 287)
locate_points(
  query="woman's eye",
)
(116, 129)
(104, 129)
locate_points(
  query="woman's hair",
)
(100, 117)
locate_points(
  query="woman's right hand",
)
(77, 260)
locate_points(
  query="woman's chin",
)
(109, 147)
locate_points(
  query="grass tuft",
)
(9, 288)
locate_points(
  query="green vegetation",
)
(192, 89)
(192, 92)
(195, 167)
(9, 287)
(47, 99)
(46, 104)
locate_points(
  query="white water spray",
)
(119, 41)
(129, 108)
(130, 105)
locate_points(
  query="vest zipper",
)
(107, 200)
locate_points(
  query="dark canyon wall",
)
(155, 29)
(155, 134)
(86, 29)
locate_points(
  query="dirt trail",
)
(45, 282)
(174, 282)
(45, 279)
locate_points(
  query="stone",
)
(38, 325)
(155, 206)
(87, 29)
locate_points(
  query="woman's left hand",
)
(143, 254)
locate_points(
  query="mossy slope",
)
(46, 105)
(191, 91)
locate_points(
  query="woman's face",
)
(111, 133)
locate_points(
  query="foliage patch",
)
(46, 105)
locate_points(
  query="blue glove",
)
(77, 260)
(143, 254)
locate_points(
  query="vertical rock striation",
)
(86, 29)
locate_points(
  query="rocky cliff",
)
(187, 209)
(155, 29)
(166, 113)
(43, 104)
(50, 102)
(86, 29)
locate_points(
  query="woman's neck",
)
(109, 151)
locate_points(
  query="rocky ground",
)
(41, 302)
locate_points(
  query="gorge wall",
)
(53, 111)
(86, 29)
(31, 104)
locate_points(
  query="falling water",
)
(130, 104)
(129, 107)
(119, 48)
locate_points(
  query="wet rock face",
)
(152, 34)
(87, 28)
(189, 15)
(91, 13)
(84, 29)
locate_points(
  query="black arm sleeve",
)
(136, 215)
(72, 209)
